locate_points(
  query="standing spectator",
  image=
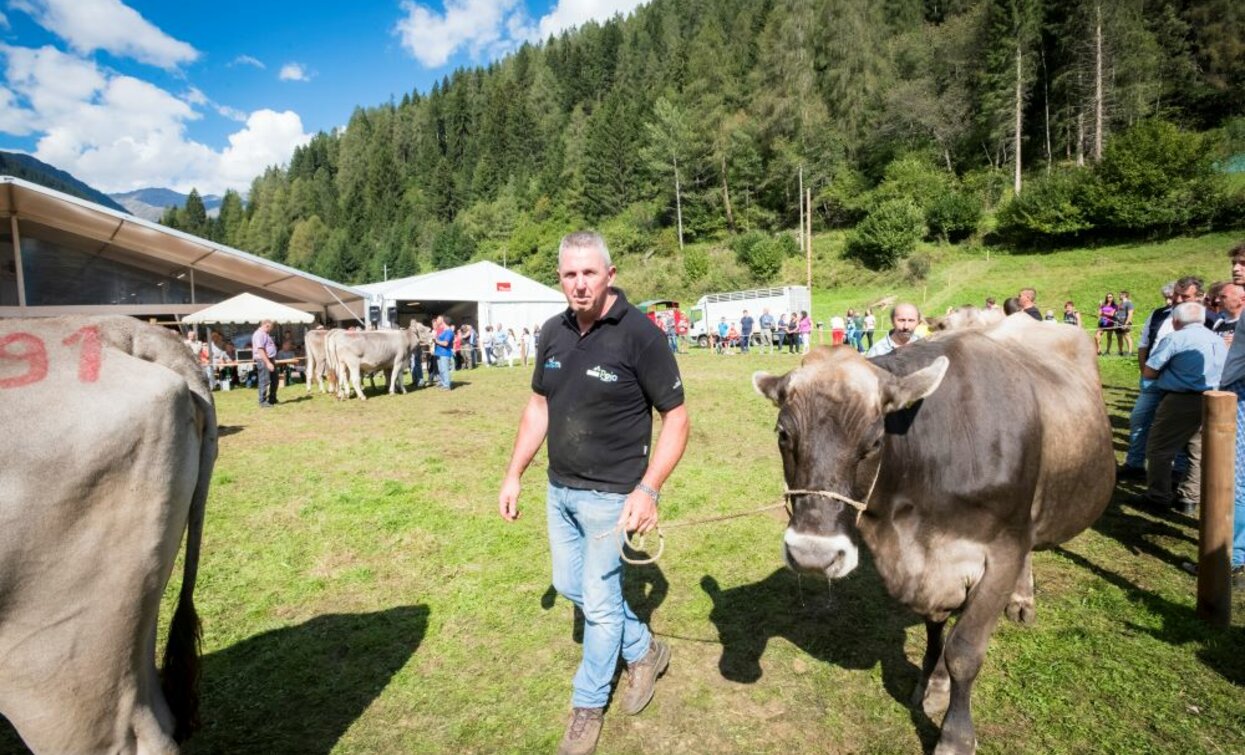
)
(486, 345)
(793, 332)
(781, 331)
(871, 325)
(1124, 324)
(838, 330)
(1158, 327)
(805, 330)
(601, 479)
(468, 336)
(1070, 315)
(512, 346)
(991, 304)
(856, 329)
(444, 351)
(1182, 366)
(723, 331)
(745, 332)
(501, 344)
(529, 349)
(767, 332)
(1106, 323)
(1233, 379)
(1231, 302)
(459, 362)
(263, 351)
(1211, 301)
(1011, 305)
(904, 319)
(1028, 303)
(672, 333)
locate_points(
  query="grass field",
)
(359, 593)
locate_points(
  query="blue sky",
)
(132, 94)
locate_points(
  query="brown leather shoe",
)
(642, 676)
(582, 732)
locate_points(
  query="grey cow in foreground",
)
(971, 450)
(109, 443)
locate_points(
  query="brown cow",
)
(970, 451)
(112, 462)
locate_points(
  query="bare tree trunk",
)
(1019, 115)
(946, 156)
(1097, 81)
(1080, 123)
(800, 235)
(678, 202)
(726, 198)
(1046, 103)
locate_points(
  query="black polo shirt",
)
(602, 389)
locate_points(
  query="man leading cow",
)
(600, 371)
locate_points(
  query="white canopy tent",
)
(247, 308)
(483, 293)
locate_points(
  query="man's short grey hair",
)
(1188, 312)
(584, 240)
(1168, 290)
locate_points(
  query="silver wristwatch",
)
(646, 490)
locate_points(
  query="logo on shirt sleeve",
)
(602, 374)
(552, 364)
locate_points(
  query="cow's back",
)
(1077, 459)
(111, 435)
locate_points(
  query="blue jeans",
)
(1139, 423)
(588, 571)
(445, 366)
(1238, 513)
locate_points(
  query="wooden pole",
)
(800, 199)
(1214, 564)
(808, 240)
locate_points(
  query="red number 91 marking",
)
(24, 347)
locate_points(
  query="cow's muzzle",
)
(831, 556)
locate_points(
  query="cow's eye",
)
(784, 438)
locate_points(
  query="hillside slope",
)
(36, 171)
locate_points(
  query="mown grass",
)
(359, 594)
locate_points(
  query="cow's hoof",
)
(1022, 611)
(936, 697)
(946, 747)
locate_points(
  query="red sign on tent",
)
(503, 285)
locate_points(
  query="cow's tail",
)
(180, 671)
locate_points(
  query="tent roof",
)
(479, 281)
(122, 236)
(247, 308)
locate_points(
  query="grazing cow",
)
(316, 363)
(970, 450)
(358, 351)
(109, 446)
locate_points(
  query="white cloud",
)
(231, 113)
(120, 133)
(247, 60)
(568, 13)
(490, 28)
(89, 25)
(4, 21)
(294, 72)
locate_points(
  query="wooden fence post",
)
(1214, 563)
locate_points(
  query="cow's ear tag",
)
(901, 393)
(770, 386)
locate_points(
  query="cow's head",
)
(831, 435)
(421, 335)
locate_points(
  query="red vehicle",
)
(663, 312)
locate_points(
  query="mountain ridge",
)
(32, 169)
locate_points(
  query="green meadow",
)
(360, 594)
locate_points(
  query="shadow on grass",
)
(854, 626)
(1221, 649)
(296, 689)
(644, 588)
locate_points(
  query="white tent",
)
(483, 292)
(247, 308)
